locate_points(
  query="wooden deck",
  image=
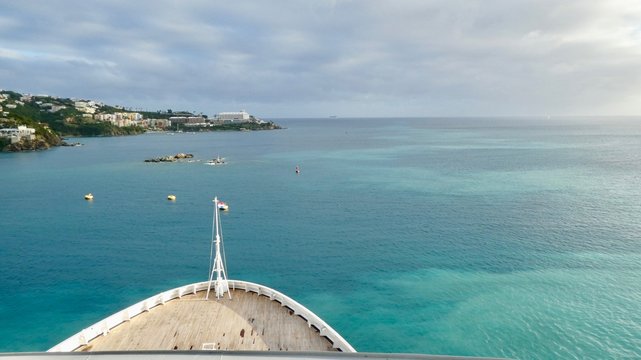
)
(246, 322)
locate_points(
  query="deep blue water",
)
(486, 237)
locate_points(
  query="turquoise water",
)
(484, 237)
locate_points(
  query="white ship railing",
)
(104, 326)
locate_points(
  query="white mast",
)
(220, 284)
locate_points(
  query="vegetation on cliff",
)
(52, 118)
(67, 121)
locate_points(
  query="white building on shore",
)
(22, 132)
(240, 116)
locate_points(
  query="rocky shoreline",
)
(39, 143)
(35, 145)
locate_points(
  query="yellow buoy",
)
(171, 197)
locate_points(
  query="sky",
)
(317, 58)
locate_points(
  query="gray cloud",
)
(352, 58)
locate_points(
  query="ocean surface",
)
(509, 237)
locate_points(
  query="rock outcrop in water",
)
(171, 158)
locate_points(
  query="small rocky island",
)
(170, 158)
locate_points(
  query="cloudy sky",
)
(315, 58)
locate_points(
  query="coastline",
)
(42, 143)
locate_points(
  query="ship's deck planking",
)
(246, 322)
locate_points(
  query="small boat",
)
(89, 196)
(222, 206)
(217, 161)
(297, 170)
(171, 197)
